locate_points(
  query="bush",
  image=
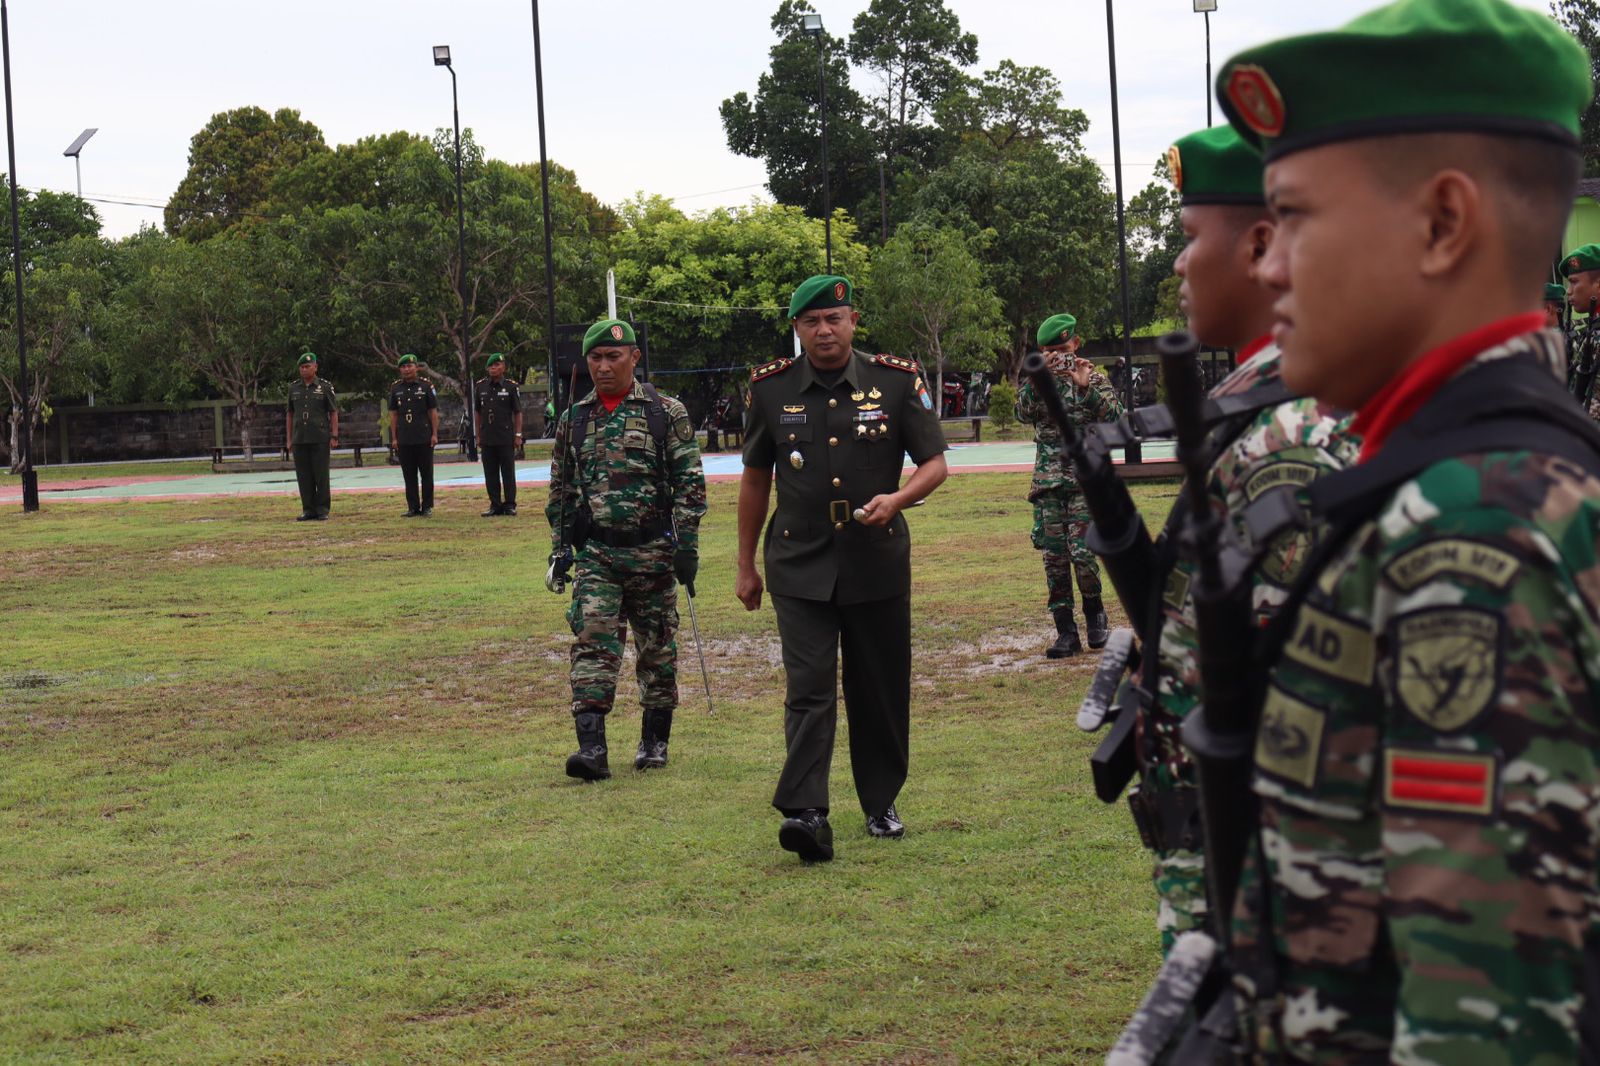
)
(1003, 405)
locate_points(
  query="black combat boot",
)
(653, 732)
(808, 835)
(1097, 626)
(1067, 643)
(588, 763)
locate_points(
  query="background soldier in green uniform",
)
(311, 429)
(837, 425)
(1581, 268)
(1273, 442)
(498, 425)
(1423, 883)
(627, 481)
(1060, 516)
(1555, 306)
(414, 429)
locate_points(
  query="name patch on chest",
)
(1451, 558)
(792, 419)
(1330, 645)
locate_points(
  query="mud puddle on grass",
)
(1010, 651)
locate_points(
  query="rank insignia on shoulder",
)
(777, 366)
(909, 366)
(1439, 781)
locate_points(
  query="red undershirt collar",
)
(1253, 349)
(1397, 401)
(611, 403)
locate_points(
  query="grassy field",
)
(279, 793)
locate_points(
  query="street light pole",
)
(441, 58)
(812, 24)
(30, 477)
(1132, 454)
(544, 197)
(1206, 7)
(75, 150)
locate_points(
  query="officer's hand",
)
(1081, 372)
(879, 511)
(433, 441)
(555, 578)
(748, 588)
(686, 564)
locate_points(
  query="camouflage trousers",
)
(1061, 530)
(615, 588)
(1181, 894)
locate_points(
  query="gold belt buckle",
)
(838, 512)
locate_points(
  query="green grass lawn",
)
(277, 792)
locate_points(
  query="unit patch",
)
(1289, 739)
(683, 429)
(1454, 557)
(1260, 105)
(1426, 780)
(1287, 553)
(1448, 662)
(1176, 589)
(1333, 646)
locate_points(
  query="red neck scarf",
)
(1397, 401)
(1253, 349)
(611, 403)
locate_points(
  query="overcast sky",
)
(632, 87)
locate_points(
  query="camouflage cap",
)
(608, 333)
(1057, 329)
(821, 291)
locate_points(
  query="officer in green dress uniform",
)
(1423, 884)
(836, 425)
(498, 425)
(311, 430)
(414, 429)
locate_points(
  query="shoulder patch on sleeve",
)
(777, 366)
(1448, 664)
(1451, 557)
(1438, 781)
(908, 365)
(683, 428)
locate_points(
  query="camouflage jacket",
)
(1097, 403)
(1428, 770)
(1289, 444)
(619, 473)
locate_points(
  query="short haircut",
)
(1529, 182)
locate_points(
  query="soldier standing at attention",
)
(498, 425)
(1060, 516)
(311, 429)
(1555, 305)
(1422, 885)
(837, 425)
(626, 476)
(1270, 440)
(414, 428)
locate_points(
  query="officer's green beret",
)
(407, 360)
(1215, 166)
(495, 358)
(819, 291)
(609, 333)
(1057, 329)
(1580, 260)
(1555, 294)
(309, 357)
(1414, 66)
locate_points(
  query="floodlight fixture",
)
(441, 54)
(811, 23)
(1204, 6)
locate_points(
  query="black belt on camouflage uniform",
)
(629, 538)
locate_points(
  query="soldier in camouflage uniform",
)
(1060, 516)
(1422, 886)
(1581, 268)
(628, 481)
(1283, 441)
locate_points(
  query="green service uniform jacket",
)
(498, 404)
(411, 401)
(312, 405)
(834, 448)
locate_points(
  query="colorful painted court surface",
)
(381, 477)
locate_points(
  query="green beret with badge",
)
(1057, 329)
(1581, 260)
(820, 292)
(309, 357)
(608, 333)
(497, 357)
(408, 360)
(1414, 66)
(1215, 166)
(1555, 294)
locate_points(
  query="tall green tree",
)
(1582, 19)
(781, 126)
(232, 164)
(1012, 110)
(929, 300)
(1155, 239)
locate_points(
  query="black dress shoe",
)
(320, 516)
(493, 512)
(509, 510)
(886, 825)
(427, 512)
(808, 835)
(306, 516)
(412, 514)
